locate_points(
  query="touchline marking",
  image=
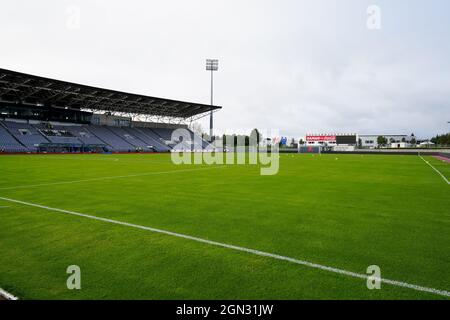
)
(242, 249)
(7, 295)
(428, 163)
(108, 178)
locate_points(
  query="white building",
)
(393, 140)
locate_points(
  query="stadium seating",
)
(181, 143)
(8, 143)
(187, 141)
(84, 135)
(149, 132)
(113, 140)
(58, 134)
(163, 133)
(130, 138)
(26, 134)
(24, 137)
(199, 143)
(148, 139)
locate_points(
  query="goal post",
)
(310, 149)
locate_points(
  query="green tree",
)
(443, 139)
(382, 141)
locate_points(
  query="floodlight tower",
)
(212, 65)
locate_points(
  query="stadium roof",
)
(25, 88)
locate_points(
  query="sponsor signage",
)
(321, 138)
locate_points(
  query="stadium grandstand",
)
(38, 114)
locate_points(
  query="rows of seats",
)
(26, 134)
(64, 140)
(59, 134)
(110, 138)
(23, 137)
(129, 138)
(182, 141)
(187, 140)
(163, 133)
(154, 135)
(84, 135)
(148, 137)
(8, 143)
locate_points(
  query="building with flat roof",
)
(371, 140)
(356, 140)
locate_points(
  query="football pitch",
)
(140, 227)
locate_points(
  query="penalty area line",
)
(428, 163)
(242, 249)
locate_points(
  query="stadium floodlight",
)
(211, 65)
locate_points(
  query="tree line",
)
(242, 140)
(443, 139)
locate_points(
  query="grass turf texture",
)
(349, 213)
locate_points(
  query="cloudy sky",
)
(294, 65)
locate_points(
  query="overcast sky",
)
(298, 66)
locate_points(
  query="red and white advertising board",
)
(320, 138)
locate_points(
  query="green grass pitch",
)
(345, 211)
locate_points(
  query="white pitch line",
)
(428, 163)
(7, 295)
(243, 249)
(122, 160)
(108, 178)
(2, 207)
